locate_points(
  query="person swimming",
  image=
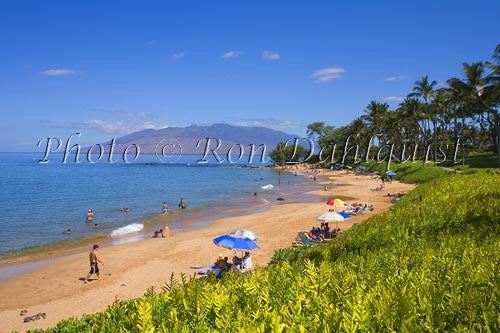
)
(124, 209)
(182, 204)
(67, 232)
(90, 215)
(164, 208)
(96, 225)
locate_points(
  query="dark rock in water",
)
(280, 199)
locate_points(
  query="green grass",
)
(430, 263)
(475, 161)
(409, 172)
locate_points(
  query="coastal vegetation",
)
(430, 263)
(439, 122)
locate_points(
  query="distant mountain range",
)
(150, 140)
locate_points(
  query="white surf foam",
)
(128, 229)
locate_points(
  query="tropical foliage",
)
(284, 153)
(461, 114)
(430, 263)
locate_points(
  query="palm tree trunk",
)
(435, 141)
(463, 137)
(497, 139)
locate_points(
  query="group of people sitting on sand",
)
(323, 231)
(243, 265)
(360, 205)
(357, 208)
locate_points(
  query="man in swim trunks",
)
(94, 268)
(90, 215)
(164, 208)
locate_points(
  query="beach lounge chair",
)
(306, 241)
(209, 269)
(355, 211)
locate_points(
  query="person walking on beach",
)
(90, 216)
(182, 204)
(94, 260)
(164, 208)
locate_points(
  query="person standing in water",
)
(182, 204)
(94, 260)
(90, 216)
(164, 208)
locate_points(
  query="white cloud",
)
(327, 74)
(178, 55)
(269, 55)
(395, 78)
(119, 127)
(232, 54)
(275, 124)
(128, 114)
(394, 98)
(57, 72)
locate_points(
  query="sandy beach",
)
(129, 269)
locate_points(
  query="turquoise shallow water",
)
(39, 201)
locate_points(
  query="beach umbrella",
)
(335, 202)
(245, 233)
(390, 173)
(344, 215)
(330, 217)
(235, 243)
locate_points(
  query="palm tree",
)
(476, 95)
(425, 90)
(374, 115)
(491, 93)
(411, 113)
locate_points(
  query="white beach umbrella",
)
(330, 217)
(245, 233)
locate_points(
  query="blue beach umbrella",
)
(345, 215)
(235, 243)
(390, 173)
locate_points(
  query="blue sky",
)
(105, 68)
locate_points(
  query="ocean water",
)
(38, 202)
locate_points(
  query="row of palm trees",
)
(464, 112)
